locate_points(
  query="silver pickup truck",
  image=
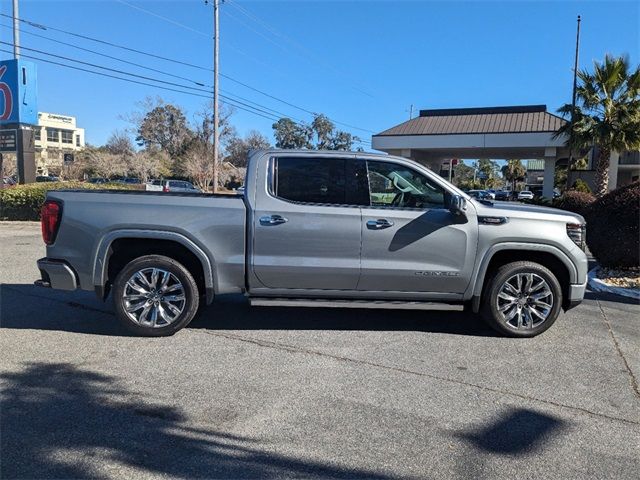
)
(317, 229)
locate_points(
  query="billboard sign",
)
(18, 92)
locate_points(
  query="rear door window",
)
(311, 180)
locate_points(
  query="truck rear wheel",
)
(523, 299)
(155, 296)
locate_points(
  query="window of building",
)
(311, 180)
(36, 134)
(53, 135)
(396, 186)
(67, 136)
(78, 141)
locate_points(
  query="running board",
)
(329, 303)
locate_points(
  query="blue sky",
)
(361, 63)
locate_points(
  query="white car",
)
(171, 186)
(525, 195)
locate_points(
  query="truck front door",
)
(306, 226)
(411, 242)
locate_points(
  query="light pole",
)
(573, 102)
(16, 31)
(216, 116)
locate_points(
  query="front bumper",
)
(576, 295)
(56, 274)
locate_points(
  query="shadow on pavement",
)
(517, 432)
(610, 297)
(59, 421)
(26, 306)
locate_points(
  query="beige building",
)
(55, 136)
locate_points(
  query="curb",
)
(598, 285)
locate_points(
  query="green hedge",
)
(23, 202)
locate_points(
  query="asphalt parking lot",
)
(327, 393)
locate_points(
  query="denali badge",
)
(435, 273)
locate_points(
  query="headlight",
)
(577, 233)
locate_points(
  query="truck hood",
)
(521, 210)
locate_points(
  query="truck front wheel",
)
(155, 296)
(523, 299)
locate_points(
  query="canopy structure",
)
(523, 132)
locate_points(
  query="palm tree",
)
(513, 171)
(608, 114)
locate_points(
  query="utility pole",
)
(16, 31)
(410, 112)
(216, 116)
(573, 101)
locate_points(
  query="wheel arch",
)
(117, 248)
(546, 255)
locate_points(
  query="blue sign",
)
(18, 92)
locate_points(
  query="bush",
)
(23, 202)
(575, 201)
(612, 228)
(580, 186)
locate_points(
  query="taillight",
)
(50, 220)
(165, 188)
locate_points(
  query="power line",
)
(304, 51)
(238, 99)
(271, 117)
(95, 52)
(228, 101)
(180, 62)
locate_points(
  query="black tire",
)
(491, 303)
(180, 277)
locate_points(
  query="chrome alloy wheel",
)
(525, 301)
(153, 297)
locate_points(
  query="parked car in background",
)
(525, 195)
(491, 194)
(313, 229)
(98, 180)
(128, 180)
(502, 195)
(47, 178)
(8, 182)
(171, 186)
(479, 194)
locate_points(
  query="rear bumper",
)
(576, 295)
(56, 274)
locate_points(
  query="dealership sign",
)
(18, 92)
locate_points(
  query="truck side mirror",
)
(458, 205)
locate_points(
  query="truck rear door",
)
(306, 228)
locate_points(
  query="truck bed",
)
(214, 223)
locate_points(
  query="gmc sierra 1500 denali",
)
(317, 229)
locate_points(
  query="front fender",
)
(475, 287)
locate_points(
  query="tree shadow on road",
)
(515, 432)
(26, 306)
(60, 421)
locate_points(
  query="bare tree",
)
(198, 165)
(238, 148)
(148, 164)
(104, 164)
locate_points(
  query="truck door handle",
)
(379, 224)
(272, 220)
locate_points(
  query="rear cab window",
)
(326, 181)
